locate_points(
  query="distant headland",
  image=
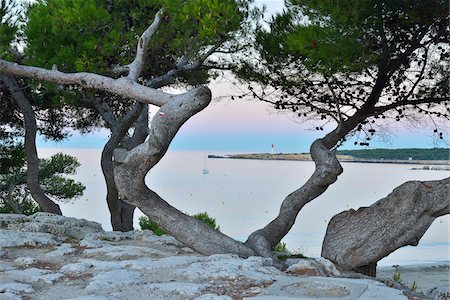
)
(433, 156)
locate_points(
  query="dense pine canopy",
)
(331, 60)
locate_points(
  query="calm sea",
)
(244, 195)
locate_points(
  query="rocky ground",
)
(52, 257)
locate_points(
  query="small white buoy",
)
(162, 114)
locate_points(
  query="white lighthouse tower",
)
(273, 147)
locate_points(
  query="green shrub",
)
(147, 223)
(397, 277)
(28, 207)
(280, 247)
(205, 218)
(283, 253)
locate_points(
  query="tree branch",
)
(45, 203)
(382, 109)
(104, 110)
(182, 66)
(123, 86)
(136, 67)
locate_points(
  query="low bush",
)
(147, 223)
(205, 218)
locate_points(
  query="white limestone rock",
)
(171, 289)
(6, 219)
(213, 297)
(12, 238)
(313, 267)
(92, 265)
(328, 288)
(6, 266)
(114, 279)
(174, 263)
(93, 243)
(124, 251)
(57, 225)
(16, 287)
(25, 261)
(62, 250)
(141, 265)
(94, 297)
(33, 275)
(166, 240)
(111, 236)
(230, 266)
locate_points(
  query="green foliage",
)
(414, 286)
(280, 247)
(399, 154)
(99, 35)
(27, 206)
(205, 218)
(346, 35)
(53, 173)
(12, 156)
(95, 36)
(396, 276)
(52, 178)
(77, 35)
(8, 25)
(325, 37)
(335, 61)
(283, 253)
(147, 223)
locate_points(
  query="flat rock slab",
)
(139, 265)
(329, 288)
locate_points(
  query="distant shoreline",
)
(341, 158)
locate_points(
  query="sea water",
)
(244, 195)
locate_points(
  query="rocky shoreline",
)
(45, 256)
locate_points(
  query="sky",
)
(251, 126)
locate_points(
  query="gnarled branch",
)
(357, 240)
(136, 163)
(45, 203)
(136, 67)
(123, 86)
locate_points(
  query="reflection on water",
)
(244, 195)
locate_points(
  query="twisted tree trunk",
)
(44, 202)
(132, 167)
(357, 240)
(326, 172)
(121, 211)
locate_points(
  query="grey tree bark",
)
(326, 172)
(9, 199)
(132, 167)
(44, 202)
(357, 240)
(121, 211)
